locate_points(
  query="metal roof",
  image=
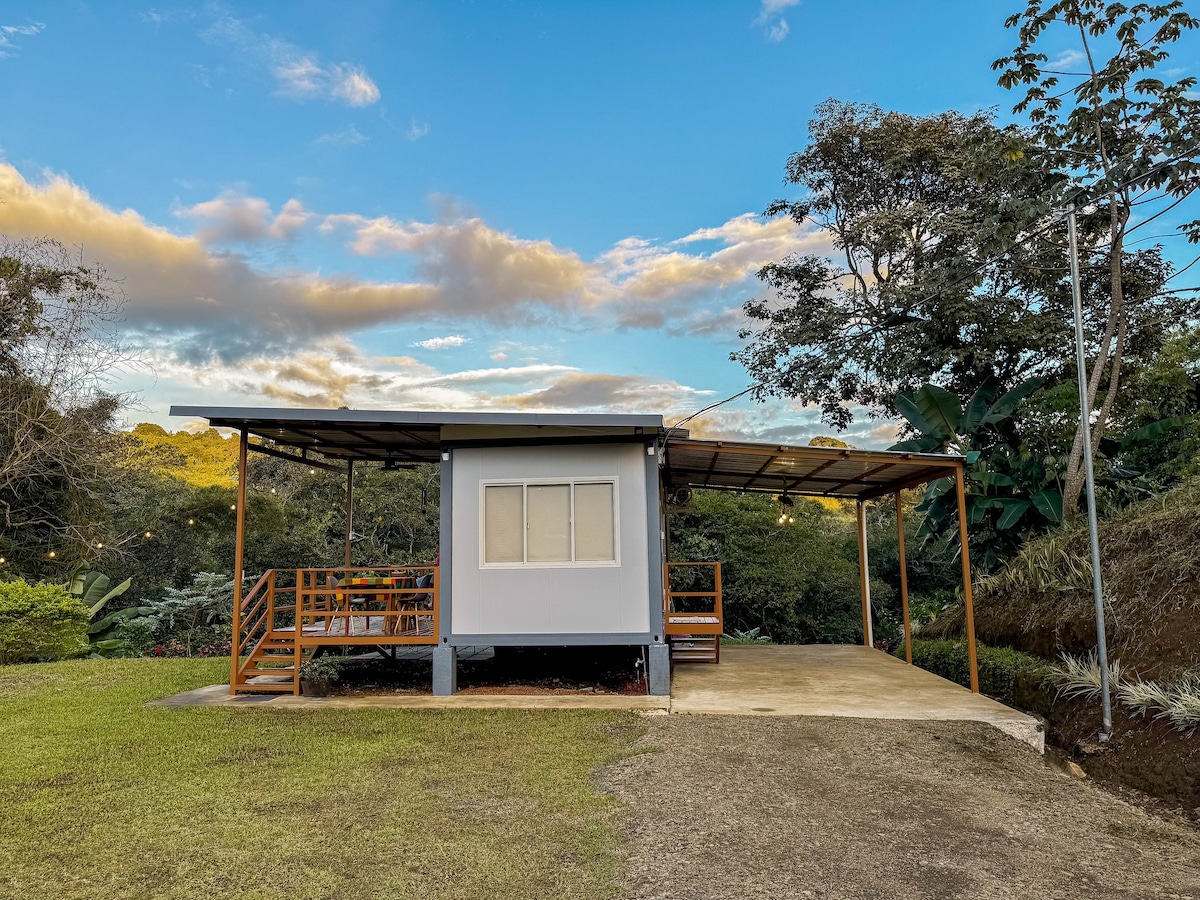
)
(807, 471)
(400, 436)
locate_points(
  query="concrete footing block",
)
(659, 657)
(445, 670)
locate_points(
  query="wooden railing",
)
(343, 611)
(692, 599)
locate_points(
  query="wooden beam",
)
(811, 475)
(904, 581)
(923, 477)
(968, 601)
(860, 478)
(279, 454)
(822, 453)
(864, 576)
(239, 557)
(349, 509)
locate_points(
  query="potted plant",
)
(319, 675)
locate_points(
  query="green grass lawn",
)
(103, 796)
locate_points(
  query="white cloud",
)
(1067, 61)
(347, 136)
(354, 85)
(9, 33)
(417, 130)
(232, 217)
(777, 32)
(770, 18)
(202, 304)
(299, 74)
(442, 343)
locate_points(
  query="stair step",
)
(264, 688)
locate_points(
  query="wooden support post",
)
(864, 576)
(904, 581)
(349, 510)
(968, 601)
(239, 556)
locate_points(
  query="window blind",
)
(504, 523)
(594, 532)
(549, 523)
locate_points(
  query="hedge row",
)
(1010, 676)
(40, 622)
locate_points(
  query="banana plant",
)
(1006, 486)
(94, 590)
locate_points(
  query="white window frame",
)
(569, 481)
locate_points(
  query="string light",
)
(147, 535)
(99, 545)
(272, 490)
(2, 560)
(233, 506)
(191, 521)
(51, 554)
(312, 471)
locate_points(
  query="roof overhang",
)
(804, 471)
(409, 437)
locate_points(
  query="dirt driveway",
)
(738, 807)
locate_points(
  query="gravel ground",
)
(737, 807)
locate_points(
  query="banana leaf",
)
(1007, 404)
(1049, 503)
(979, 404)
(1013, 510)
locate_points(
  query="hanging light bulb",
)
(785, 509)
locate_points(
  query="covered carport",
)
(829, 472)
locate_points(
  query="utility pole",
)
(1085, 424)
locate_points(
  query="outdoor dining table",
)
(405, 584)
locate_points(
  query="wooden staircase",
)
(694, 635)
(695, 648)
(271, 666)
(266, 658)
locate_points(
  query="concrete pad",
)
(218, 695)
(835, 680)
(477, 701)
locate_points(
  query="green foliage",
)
(753, 636)
(40, 622)
(322, 669)
(912, 204)
(797, 583)
(1010, 676)
(56, 347)
(1009, 493)
(184, 613)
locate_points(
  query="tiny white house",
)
(553, 533)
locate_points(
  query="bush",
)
(1010, 676)
(40, 622)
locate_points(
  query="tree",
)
(57, 350)
(914, 207)
(1129, 141)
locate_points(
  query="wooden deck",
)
(377, 606)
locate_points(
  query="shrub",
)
(40, 622)
(1010, 676)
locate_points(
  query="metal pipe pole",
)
(1085, 425)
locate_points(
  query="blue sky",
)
(422, 205)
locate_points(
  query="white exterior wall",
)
(557, 599)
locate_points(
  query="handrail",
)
(715, 593)
(258, 584)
